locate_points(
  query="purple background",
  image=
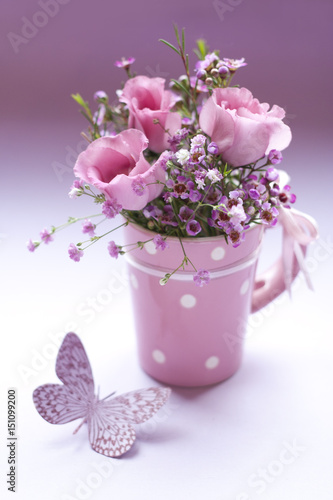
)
(287, 45)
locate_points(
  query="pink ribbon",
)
(299, 230)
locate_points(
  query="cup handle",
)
(299, 230)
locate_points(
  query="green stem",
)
(97, 238)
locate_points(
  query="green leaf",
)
(181, 86)
(187, 64)
(170, 45)
(183, 39)
(202, 48)
(175, 27)
(87, 116)
(79, 99)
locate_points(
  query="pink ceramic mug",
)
(189, 335)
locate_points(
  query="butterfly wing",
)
(110, 425)
(73, 367)
(109, 433)
(138, 406)
(58, 404)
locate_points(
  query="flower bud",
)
(201, 74)
(224, 72)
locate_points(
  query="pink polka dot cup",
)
(189, 335)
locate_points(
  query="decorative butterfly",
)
(109, 420)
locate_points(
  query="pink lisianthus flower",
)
(148, 102)
(111, 164)
(243, 128)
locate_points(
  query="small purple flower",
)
(198, 141)
(285, 197)
(182, 156)
(74, 252)
(88, 228)
(198, 85)
(177, 138)
(275, 157)
(208, 61)
(237, 214)
(198, 155)
(100, 94)
(235, 236)
(113, 249)
(223, 71)
(200, 178)
(99, 115)
(214, 175)
(271, 174)
(180, 188)
(234, 64)
(139, 186)
(185, 213)
(193, 227)
(76, 189)
(32, 245)
(213, 148)
(160, 242)
(269, 214)
(214, 195)
(125, 63)
(150, 211)
(201, 74)
(202, 277)
(46, 236)
(194, 196)
(110, 208)
(254, 194)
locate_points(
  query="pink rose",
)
(114, 164)
(148, 101)
(242, 127)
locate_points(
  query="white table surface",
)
(264, 433)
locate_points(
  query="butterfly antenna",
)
(109, 396)
(78, 428)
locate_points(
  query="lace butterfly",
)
(110, 428)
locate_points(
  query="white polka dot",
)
(218, 253)
(159, 356)
(150, 248)
(134, 281)
(212, 362)
(188, 301)
(244, 288)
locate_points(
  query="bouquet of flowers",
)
(195, 160)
